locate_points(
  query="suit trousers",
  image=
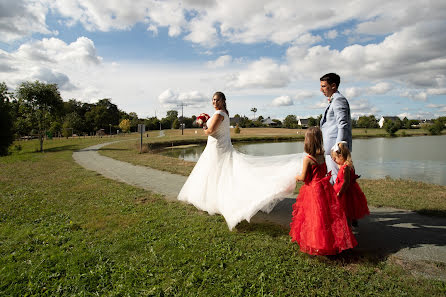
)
(333, 167)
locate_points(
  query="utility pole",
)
(182, 119)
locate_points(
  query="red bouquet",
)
(202, 119)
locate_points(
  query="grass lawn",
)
(68, 231)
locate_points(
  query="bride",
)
(233, 184)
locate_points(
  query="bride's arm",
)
(215, 122)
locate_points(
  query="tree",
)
(103, 114)
(406, 123)
(55, 128)
(166, 123)
(6, 120)
(134, 121)
(391, 127)
(290, 121)
(125, 125)
(73, 121)
(367, 122)
(318, 120)
(437, 126)
(254, 110)
(44, 102)
(312, 122)
(278, 122)
(172, 115)
(152, 123)
(176, 124)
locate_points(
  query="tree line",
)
(36, 109)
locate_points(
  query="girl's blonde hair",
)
(344, 152)
(313, 144)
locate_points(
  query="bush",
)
(435, 128)
(237, 129)
(176, 124)
(391, 127)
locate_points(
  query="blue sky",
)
(151, 56)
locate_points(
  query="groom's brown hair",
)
(313, 144)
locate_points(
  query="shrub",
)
(237, 129)
(435, 128)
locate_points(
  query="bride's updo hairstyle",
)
(222, 97)
(313, 144)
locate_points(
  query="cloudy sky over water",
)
(151, 56)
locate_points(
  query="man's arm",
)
(342, 111)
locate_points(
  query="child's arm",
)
(346, 182)
(301, 176)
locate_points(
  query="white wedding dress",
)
(236, 185)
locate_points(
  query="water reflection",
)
(420, 158)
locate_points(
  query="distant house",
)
(234, 121)
(303, 123)
(100, 132)
(384, 118)
(269, 122)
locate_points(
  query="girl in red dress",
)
(319, 224)
(346, 187)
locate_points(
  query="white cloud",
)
(362, 107)
(169, 98)
(397, 57)
(50, 60)
(438, 107)
(307, 39)
(380, 88)
(408, 55)
(264, 73)
(50, 76)
(207, 22)
(332, 34)
(19, 19)
(415, 95)
(377, 89)
(220, 62)
(304, 94)
(439, 91)
(282, 101)
(353, 92)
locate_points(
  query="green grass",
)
(68, 231)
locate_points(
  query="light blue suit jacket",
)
(336, 123)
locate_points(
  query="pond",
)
(421, 158)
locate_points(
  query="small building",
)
(234, 121)
(269, 122)
(303, 123)
(100, 132)
(385, 118)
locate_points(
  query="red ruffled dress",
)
(319, 224)
(353, 200)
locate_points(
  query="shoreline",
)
(159, 143)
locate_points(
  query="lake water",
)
(421, 158)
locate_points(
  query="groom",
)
(336, 124)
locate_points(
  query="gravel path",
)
(147, 178)
(406, 235)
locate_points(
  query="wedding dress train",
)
(235, 185)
